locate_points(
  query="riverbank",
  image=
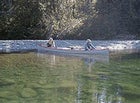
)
(8, 46)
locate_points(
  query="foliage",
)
(69, 19)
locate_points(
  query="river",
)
(34, 77)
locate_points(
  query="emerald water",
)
(45, 78)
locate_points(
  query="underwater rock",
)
(8, 95)
(6, 82)
(28, 92)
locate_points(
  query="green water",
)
(42, 78)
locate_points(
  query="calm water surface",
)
(45, 78)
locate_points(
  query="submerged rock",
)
(6, 82)
(28, 92)
(8, 95)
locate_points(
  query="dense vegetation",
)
(69, 19)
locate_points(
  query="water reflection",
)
(90, 61)
(52, 58)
